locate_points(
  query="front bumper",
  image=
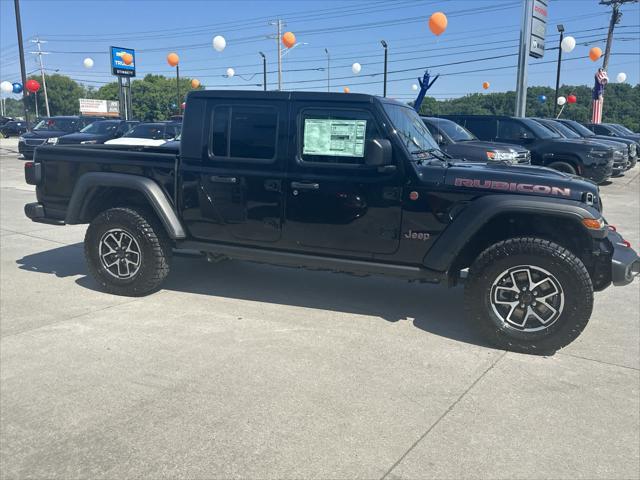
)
(599, 173)
(27, 149)
(625, 262)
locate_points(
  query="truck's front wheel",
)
(127, 251)
(529, 295)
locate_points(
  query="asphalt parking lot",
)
(239, 370)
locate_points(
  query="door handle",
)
(305, 186)
(217, 179)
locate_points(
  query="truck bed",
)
(62, 166)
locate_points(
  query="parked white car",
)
(148, 134)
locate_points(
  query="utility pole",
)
(616, 15)
(39, 53)
(279, 24)
(328, 69)
(23, 74)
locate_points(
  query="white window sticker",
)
(339, 138)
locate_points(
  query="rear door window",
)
(244, 132)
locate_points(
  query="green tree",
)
(63, 93)
(154, 97)
(621, 104)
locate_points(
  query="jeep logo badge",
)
(411, 235)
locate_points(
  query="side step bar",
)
(315, 262)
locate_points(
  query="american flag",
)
(601, 79)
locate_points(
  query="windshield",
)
(410, 128)
(539, 130)
(577, 127)
(101, 127)
(456, 132)
(563, 129)
(154, 132)
(620, 128)
(64, 124)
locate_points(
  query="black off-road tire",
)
(567, 269)
(563, 167)
(154, 245)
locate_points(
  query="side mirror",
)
(378, 153)
(439, 138)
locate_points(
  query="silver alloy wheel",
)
(120, 253)
(527, 298)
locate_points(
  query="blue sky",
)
(351, 30)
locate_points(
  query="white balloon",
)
(230, 72)
(356, 67)
(88, 63)
(219, 43)
(6, 87)
(414, 87)
(621, 77)
(568, 44)
(562, 101)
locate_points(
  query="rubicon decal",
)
(512, 187)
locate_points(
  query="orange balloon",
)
(485, 85)
(127, 58)
(288, 39)
(595, 53)
(346, 90)
(195, 83)
(438, 23)
(173, 59)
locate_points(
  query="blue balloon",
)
(17, 87)
(542, 98)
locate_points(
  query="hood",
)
(83, 137)
(507, 147)
(45, 133)
(136, 141)
(519, 180)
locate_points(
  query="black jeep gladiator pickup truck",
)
(348, 183)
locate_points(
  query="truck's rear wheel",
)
(529, 295)
(127, 251)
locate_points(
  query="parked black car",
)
(51, 127)
(345, 183)
(620, 152)
(634, 148)
(623, 129)
(13, 128)
(547, 148)
(97, 132)
(611, 130)
(460, 143)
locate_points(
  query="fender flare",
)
(78, 204)
(478, 212)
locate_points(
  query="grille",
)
(523, 157)
(35, 141)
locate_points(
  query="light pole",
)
(264, 70)
(328, 69)
(384, 91)
(555, 98)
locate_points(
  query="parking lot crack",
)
(444, 414)
(602, 362)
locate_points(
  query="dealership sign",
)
(538, 28)
(123, 62)
(105, 108)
